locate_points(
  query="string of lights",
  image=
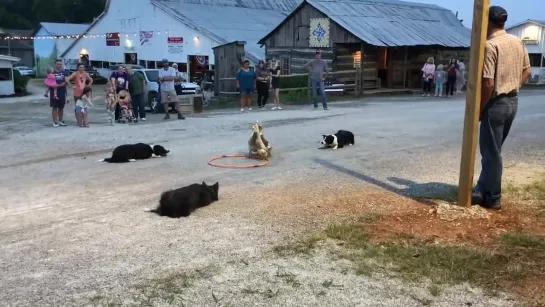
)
(113, 35)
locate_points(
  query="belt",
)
(511, 94)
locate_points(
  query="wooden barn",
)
(229, 58)
(389, 39)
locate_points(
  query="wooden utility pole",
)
(473, 100)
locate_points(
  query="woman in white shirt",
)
(460, 76)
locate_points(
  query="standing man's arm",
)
(325, 70)
(526, 70)
(489, 71)
(127, 82)
(308, 67)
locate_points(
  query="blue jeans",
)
(496, 122)
(315, 85)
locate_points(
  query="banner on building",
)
(145, 38)
(319, 32)
(112, 39)
(175, 44)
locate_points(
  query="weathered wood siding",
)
(416, 58)
(298, 57)
(227, 63)
(295, 32)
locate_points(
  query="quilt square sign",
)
(319, 32)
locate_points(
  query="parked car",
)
(152, 87)
(25, 71)
(93, 73)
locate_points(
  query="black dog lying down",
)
(183, 201)
(338, 140)
(133, 152)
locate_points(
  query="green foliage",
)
(15, 14)
(20, 82)
(293, 82)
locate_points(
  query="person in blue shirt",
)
(57, 102)
(246, 80)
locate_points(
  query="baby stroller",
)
(125, 107)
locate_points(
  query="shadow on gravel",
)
(421, 192)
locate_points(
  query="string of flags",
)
(107, 35)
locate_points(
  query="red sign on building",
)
(112, 39)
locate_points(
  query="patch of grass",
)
(519, 239)
(352, 234)
(299, 97)
(304, 246)
(533, 192)
(369, 218)
(167, 289)
(515, 257)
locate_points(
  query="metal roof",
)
(64, 28)
(227, 21)
(539, 22)
(391, 23)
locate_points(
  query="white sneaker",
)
(55, 124)
(279, 108)
(242, 110)
(423, 95)
(273, 108)
(249, 109)
(429, 95)
(144, 119)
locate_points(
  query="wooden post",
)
(473, 101)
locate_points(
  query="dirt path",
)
(73, 231)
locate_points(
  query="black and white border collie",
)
(338, 140)
(133, 152)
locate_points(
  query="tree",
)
(17, 14)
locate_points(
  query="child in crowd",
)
(439, 80)
(82, 103)
(51, 83)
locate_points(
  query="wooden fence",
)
(353, 83)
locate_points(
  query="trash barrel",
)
(198, 104)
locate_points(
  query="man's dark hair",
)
(246, 61)
(497, 16)
(58, 60)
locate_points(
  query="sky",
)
(517, 10)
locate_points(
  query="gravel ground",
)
(74, 231)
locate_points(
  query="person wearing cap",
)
(167, 76)
(318, 72)
(506, 68)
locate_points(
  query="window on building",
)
(535, 59)
(530, 33)
(106, 65)
(6, 74)
(96, 64)
(142, 63)
(150, 64)
(285, 66)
